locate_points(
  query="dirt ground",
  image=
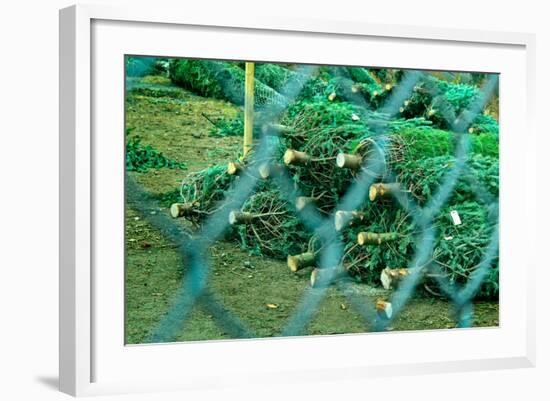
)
(171, 120)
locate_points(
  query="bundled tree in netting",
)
(375, 89)
(422, 177)
(406, 144)
(379, 236)
(346, 83)
(437, 100)
(380, 246)
(388, 234)
(217, 79)
(221, 80)
(484, 123)
(363, 76)
(460, 249)
(315, 133)
(390, 76)
(382, 237)
(202, 193)
(428, 142)
(274, 75)
(266, 225)
(338, 84)
(324, 86)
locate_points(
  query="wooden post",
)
(248, 107)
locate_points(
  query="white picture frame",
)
(93, 360)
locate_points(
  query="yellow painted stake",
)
(248, 107)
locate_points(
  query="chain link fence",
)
(194, 250)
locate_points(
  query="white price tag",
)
(456, 218)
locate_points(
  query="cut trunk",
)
(382, 190)
(234, 168)
(344, 218)
(180, 209)
(391, 277)
(236, 217)
(384, 309)
(298, 262)
(364, 238)
(269, 169)
(353, 162)
(295, 157)
(324, 277)
(302, 201)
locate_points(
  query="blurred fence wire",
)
(193, 250)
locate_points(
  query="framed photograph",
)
(249, 199)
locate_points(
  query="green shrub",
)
(217, 79)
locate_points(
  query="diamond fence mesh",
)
(193, 249)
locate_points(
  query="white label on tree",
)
(456, 218)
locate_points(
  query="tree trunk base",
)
(344, 218)
(236, 217)
(234, 168)
(352, 162)
(302, 202)
(180, 209)
(325, 277)
(384, 309)
(391, 277)
(269, 169)
(298, 262)
(381, 190)
(295, 157)
(364, 238)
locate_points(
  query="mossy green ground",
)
(170, 119)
